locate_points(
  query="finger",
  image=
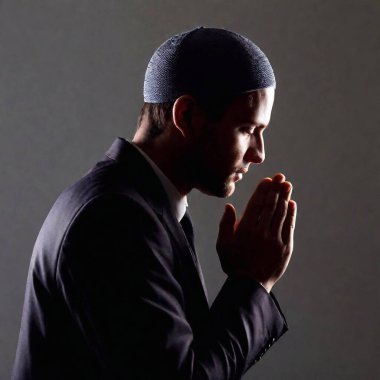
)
(281, 210)
(289, 223)
(270, 204)
(268, 210)
(287, 189)
(227, 225)
(278, 178)
(256, 202)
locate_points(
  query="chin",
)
(219, 190)
(230, 189)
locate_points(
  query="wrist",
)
(267, 285)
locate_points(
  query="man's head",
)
(219, 152)
(212, 90)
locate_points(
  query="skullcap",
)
(206, 62)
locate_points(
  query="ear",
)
(186, 115)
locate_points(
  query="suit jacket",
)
(115, 291)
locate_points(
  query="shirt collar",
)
(178, 202)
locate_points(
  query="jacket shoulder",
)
(103, 192)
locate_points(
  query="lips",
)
(239, 174)
(243, 171)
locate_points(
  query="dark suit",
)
(115, 290)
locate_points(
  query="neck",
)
(168, 156)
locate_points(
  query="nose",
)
(256, 151)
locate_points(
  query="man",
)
(115, 290)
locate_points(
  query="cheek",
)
(225, 150)
(238, 147)
(232, 156)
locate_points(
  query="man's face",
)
(225, 149)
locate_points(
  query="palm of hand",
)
(261, 243)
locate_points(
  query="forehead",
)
(252, 108)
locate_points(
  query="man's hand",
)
(261, 243)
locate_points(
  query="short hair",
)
(160, 114)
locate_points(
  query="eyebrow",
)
(250, 124)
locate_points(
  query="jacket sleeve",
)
(116, 273)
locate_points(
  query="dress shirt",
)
(178, 203)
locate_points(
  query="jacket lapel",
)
(191, 259)
(187, 227)
(139, 171)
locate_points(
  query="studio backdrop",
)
(71, 81)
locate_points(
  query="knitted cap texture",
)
(206, 62)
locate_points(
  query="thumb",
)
(227, 225)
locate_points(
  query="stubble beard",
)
(201, 167)
(206, 180)
(217, 189)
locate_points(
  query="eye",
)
(249, 130)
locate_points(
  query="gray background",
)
(71, 75)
